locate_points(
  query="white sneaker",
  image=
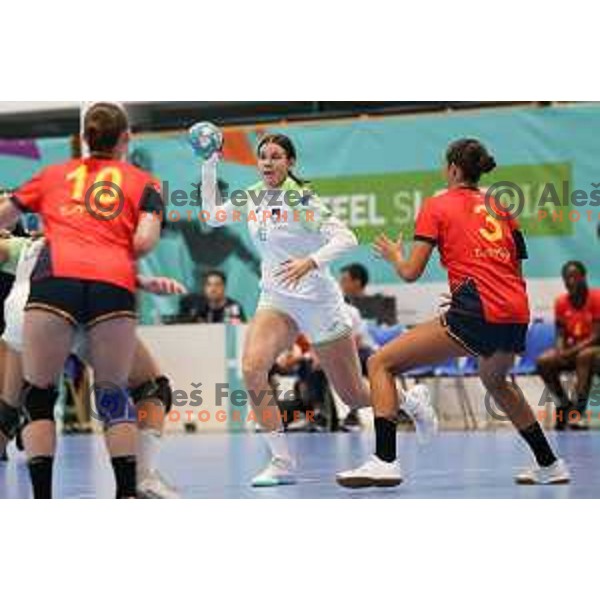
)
(419, 407)
(155, 487)
(556, 474)
(279, 472)
(375, 473)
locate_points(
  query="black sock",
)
(125, 474)
(581, 406)
(386, 432)
(537, 441)
(40, 471)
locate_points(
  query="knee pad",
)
(11, 420)
(157, 388)
(38, 404)
(114, 406)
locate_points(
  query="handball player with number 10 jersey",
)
(482, 247)
(100, 215)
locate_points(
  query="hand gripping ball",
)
(206, 139)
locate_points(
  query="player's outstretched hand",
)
(388, 250)
(161, 286)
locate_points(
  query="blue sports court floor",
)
(456, 465)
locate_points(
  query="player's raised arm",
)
(219, 213)
(207, 143)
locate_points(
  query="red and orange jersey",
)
(577, 323)
(475, 245)
(90, 209)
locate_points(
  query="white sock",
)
(278, 445)
(148, 449)
(411, 406)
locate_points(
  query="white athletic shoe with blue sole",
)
(279, 472)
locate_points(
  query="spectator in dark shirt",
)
(354, 281)
(213, 306)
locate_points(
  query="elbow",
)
(350, 241)
(410, 275)
(144, 245)
(411, 278)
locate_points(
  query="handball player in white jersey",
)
(297, 239)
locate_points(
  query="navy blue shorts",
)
(465, 323)
(85, 303)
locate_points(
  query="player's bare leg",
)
(585, 363)
(112, 348)
(269, 334)
(9, 414)
(494, 376)
(47, 343)
(12, 384)
(426, 344)
(151, 392)
(339, 360)
(550, 366)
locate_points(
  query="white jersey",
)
(14, 306)
(361, 329)
(283, 232)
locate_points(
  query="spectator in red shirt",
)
(482, 247)
(577, 350)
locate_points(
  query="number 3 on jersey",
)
(493, 232)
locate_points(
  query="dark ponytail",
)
(473, 159)
(284, 142)
(104, 124)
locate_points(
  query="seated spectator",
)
(312, 394)
(365, 344)
(213, 306)
(578, 344)
(354, 281)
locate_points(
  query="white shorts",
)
(14, 305)
(323, 321)
(14, 317)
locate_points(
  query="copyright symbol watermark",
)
(498, 413)
(505, 201)
(105, 201)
